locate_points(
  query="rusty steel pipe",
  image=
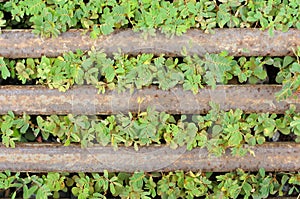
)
(54, 157)
(238, 42)
(85, 100)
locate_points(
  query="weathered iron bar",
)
(85, 100)
(238, 42)
(54, 157)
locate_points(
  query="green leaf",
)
(4, 70)
(260, 140)
(295, 68)
(235, 139)
(106, 29)
(13, 196)
(27, 193)
(216, 130)
(112, 188)
(247, 188)
(109, 73)
(287, 60)
(262, 172)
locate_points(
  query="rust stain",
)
(54, 157)
(257, 43)
(85, 100)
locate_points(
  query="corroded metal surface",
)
(85, 100)
(238, 42)
(50, 157)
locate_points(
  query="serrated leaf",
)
(106, 29)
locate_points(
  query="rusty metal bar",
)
(53, 157)
(238, 42)
(85, 100)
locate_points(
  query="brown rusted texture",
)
(85, 100)
(51, 157)
(238, 42)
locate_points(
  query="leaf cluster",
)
(123, 72)
(289, 75)
(216, 131)
(51, 17)
(149, 185)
